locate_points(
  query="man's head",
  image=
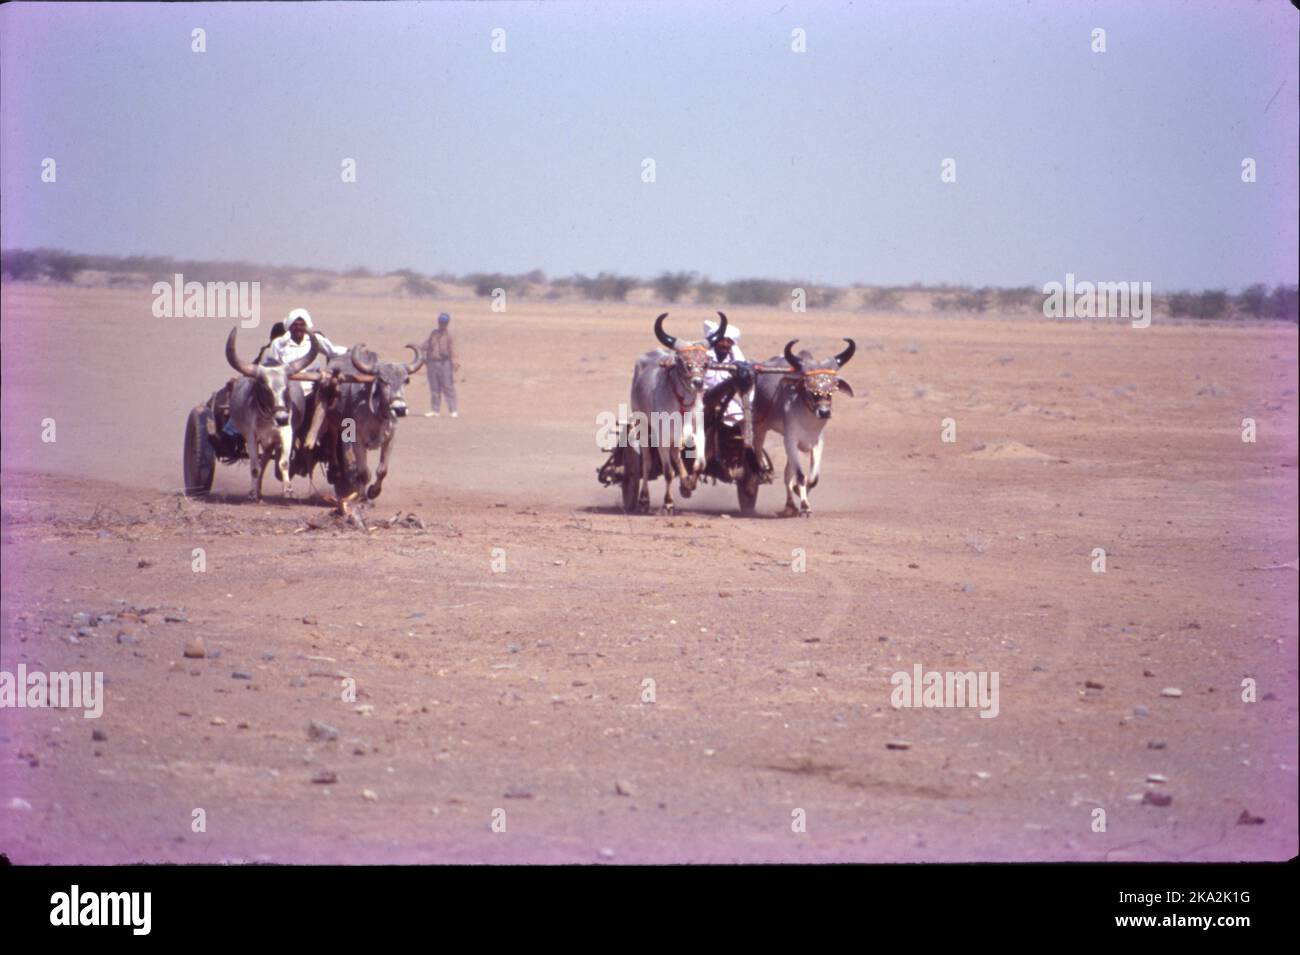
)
(722, 346)
(299, 323)
(443, 321)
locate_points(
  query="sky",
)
(823, 165)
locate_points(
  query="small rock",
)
(195, 649)
(518, 792)
(240, 675)
(1141, 711)
(1171, 691)
(126, 637)
(724, 593)
(1156, 744)
(309, 621)
(370, 795)
(623, 788)
(175, 618)
(99, 736)
(1094, 685)
(80, 619)
(1152, 798)
(268, 656)
(141, 564)
(898, 744)
(321, 731)
(85, 632)
(1156, 778)
(217, 721)
(1147, 673)
(1246, 819)
(325, 777)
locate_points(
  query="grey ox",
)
(668, 411)
(797, 407)
(363, 415)
(266, 407)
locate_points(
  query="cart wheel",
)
(747, 490)
(199, 458)
(631, 479)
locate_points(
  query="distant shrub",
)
(822, 296)
(1016, 299)
(418, 286)
(757, 292)
(358, 272)
(32, 264)
(605, 287)
(1284, 303)
(315, 284)
(882, 300)
(671, 286)
(975, 300)
(708, 292)
(1205, 305)
(19, 265)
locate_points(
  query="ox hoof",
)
(788, 511)
(805, 512)
(667, 510)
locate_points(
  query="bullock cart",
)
(730, 455)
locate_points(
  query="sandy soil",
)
(522, 691)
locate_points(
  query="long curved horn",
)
(298, 364)
(843, 357)
(664, 338)
(721, 331)
(232, 356)
(790, 355)
(365, 367)
(419, 360)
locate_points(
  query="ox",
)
(668, 411)
(266, 407)
(797, 407)
(364, 402)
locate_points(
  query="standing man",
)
(441, 367)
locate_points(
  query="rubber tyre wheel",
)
(631, 479)
(198, 457)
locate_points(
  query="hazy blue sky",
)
(823, 165)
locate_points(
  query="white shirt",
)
(286, 349)
(715, 376)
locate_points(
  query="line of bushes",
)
(58, 265)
